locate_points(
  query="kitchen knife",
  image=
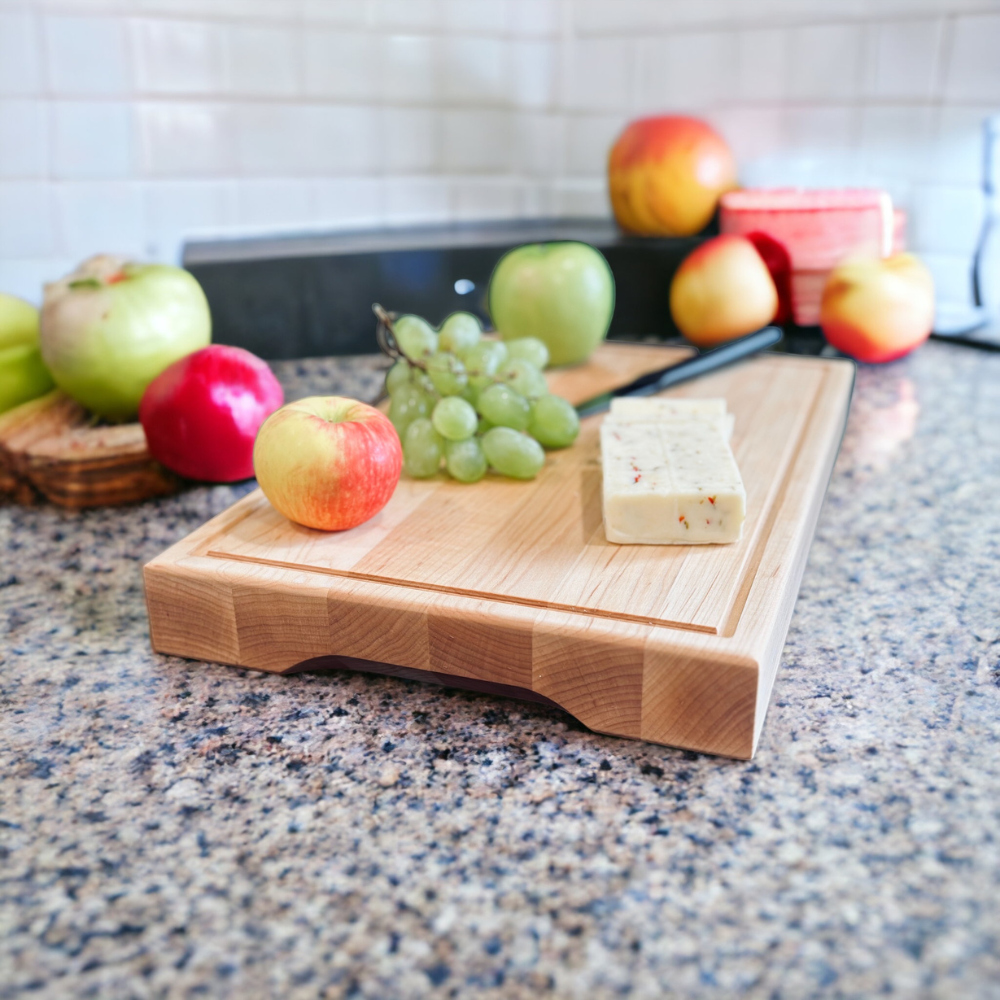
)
(701, 364)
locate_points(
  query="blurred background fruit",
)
(666, 174)
(109, 328)
(23, 375)
(562, 294)
(721, 291)
(878, 309)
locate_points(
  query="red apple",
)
(775, 255)
(666, 174)
(327, 462)
(202, 413)
(722, 290)
(878, 309)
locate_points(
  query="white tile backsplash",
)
(689, 72)
(908, 58)
(477, 141)
(178, 57)
(762, 64)
(24, 146)
(341, 65)
(27, 229)
(100, 216)
(827, 62)
(186, 139)
(973, 72)
(282, 204)
(288, 140)
(348, 202)
(600, 75)
(92, 139)
(132, 124)
(177, 209)
(87, 55)
(21, 54)
(485, 198)
(474, 70)
(261, 60)
(945, 219)
(411, 139)
(409, 67)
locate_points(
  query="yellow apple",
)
(722, 290)
(878, 309)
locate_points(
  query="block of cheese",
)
(673, 482)
(632, 409)
(659, 407)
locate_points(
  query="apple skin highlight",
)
(876, 310)
(328, 462)
(201, 415)
(666, 174)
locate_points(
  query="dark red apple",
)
(201, 415)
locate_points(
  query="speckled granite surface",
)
(173, 829)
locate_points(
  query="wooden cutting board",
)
(511, 587)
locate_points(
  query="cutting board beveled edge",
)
(626, 672)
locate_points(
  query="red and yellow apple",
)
(722, 290)
(666, 175)
(201, 414)
(328, 462)
(878, 309)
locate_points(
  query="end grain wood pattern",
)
(513, 586)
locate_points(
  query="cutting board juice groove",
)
(512, 585)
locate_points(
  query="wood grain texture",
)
(513, 584)
(52, 447)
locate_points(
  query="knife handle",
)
(702, 363)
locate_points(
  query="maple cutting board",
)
(511, 587)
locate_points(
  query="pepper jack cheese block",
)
(671, 482)
(630, 409)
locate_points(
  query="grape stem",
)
(385, 336)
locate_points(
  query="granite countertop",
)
(177, 829)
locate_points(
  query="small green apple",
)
(562, 293)
(23, 375)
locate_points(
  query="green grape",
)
(529, 349)
(523, 377)
(415, 337)
(447, 374)
(397, 375)
(465, 460)
(408, 403)
(484, 425)
(504, 407)
(513, 454)
(459, 331)
(470, 394)
(422, 449)
(554, 422)
(482, 361)
(454, 418)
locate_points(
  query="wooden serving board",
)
(511, 586)
(52, 447)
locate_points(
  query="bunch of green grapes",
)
(472, 403)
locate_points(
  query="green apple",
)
(23, 375)
(109, 328)
(562, 293)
